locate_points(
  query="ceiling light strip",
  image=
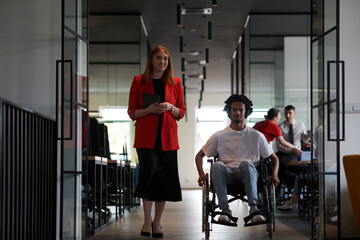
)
(201, 11)
(247, 21)
(234, 54)
(240, 38)
(143, 26)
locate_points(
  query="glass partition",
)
(70, 14)
(72, 115)
(326, 121)
(82, 18)
(272, 83)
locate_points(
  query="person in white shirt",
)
(239, 149)
(298, 136)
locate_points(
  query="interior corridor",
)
(182, 221)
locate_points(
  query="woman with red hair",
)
(156, 137)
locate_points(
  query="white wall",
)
(297, 76)
(30, 45)
(266, 78)
(262, 85)
(350, 53)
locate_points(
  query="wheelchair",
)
(267, 201)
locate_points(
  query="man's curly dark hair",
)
(238, 98)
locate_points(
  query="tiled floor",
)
(182, 221)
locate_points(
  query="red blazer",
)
(146, 127)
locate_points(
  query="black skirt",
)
(158, 175)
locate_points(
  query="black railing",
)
(27, 174)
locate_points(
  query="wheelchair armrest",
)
(266, 160)
(266, 163)
(212, 160)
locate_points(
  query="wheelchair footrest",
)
(215, 213)
(231, 224)
(254, 224)
(248, 218)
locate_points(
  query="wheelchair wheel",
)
(207, 230)
(266, 203)
(205, 208)
(268, 209)
(316, 226)
(273, 206)
(270, 226)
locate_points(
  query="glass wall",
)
(271, 75)
(119, 124)
(326, 121)
(115, 55)
(72, 105)
(117, 51)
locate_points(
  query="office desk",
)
(116, 186)
(97, 203)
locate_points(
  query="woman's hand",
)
(174, 111)
(166, 106)
(154, 108)
(158, 108)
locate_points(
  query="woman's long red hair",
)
(168, 73)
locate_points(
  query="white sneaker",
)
(257, 218)
(288, 206)
(225, 218)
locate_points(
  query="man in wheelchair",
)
(239, 149)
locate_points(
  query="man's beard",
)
(237, 121)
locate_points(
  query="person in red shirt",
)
(269, 127)
(156, 137)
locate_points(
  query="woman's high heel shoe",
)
(157, 235)
(145, 234)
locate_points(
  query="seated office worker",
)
(156, 137)
(239, 149)
(294, 131)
